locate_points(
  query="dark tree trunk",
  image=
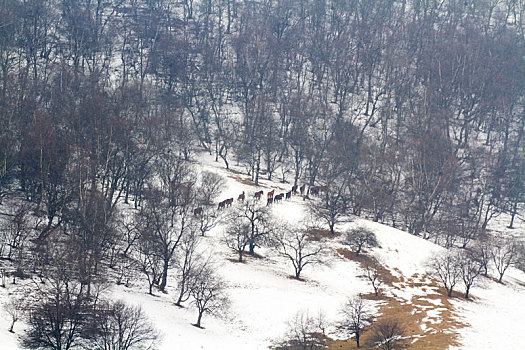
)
(164, 278)
(332, 231)
(198, 324)
(514, 210)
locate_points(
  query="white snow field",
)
(264, 297)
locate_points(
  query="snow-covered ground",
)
(264, 297)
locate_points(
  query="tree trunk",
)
(332, 231)
(164, 279)
(514, 210)
(257, 170)
(467, 290)
(198, 324)
(181, 294)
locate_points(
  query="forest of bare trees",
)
(406, 112)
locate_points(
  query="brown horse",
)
(270, 194)
(288, 195)
(228, 202)
(258, 194)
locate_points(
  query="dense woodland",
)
(407, 112)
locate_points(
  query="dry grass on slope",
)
(429, 321)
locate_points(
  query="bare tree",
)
(208, 219)
(59, 308)
(14, 307)
(257, 216)
(15, 231)
(130, 225)
(482, 251)
(163, 226)
(470, 268)
(445, 267)
(188, 262)
(504, 252)
(209, 293)
(356, 316)
(236, 237)
(305, 332)
(294, 244)
(330, 208)
(211, 186)
(174, 172)
(15, 234)
(150, 264)
(117, 326)
(360, 237)
(374, 274)
(388, 335)
(3, 272)
(520, 261)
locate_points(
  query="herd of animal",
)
(272, 198)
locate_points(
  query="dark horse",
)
(241, 197)
(197, 211)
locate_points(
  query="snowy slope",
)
(264, 297)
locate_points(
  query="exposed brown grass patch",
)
(245, 258)
(243, 179)
(233, 171)
(253, 256)
(317, 235)
(364, 260)
(246, 180)
(429, 320)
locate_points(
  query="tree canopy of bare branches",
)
(359, 238)
(296, 245)
(356, 316)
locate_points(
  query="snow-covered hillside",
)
(264, 297)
